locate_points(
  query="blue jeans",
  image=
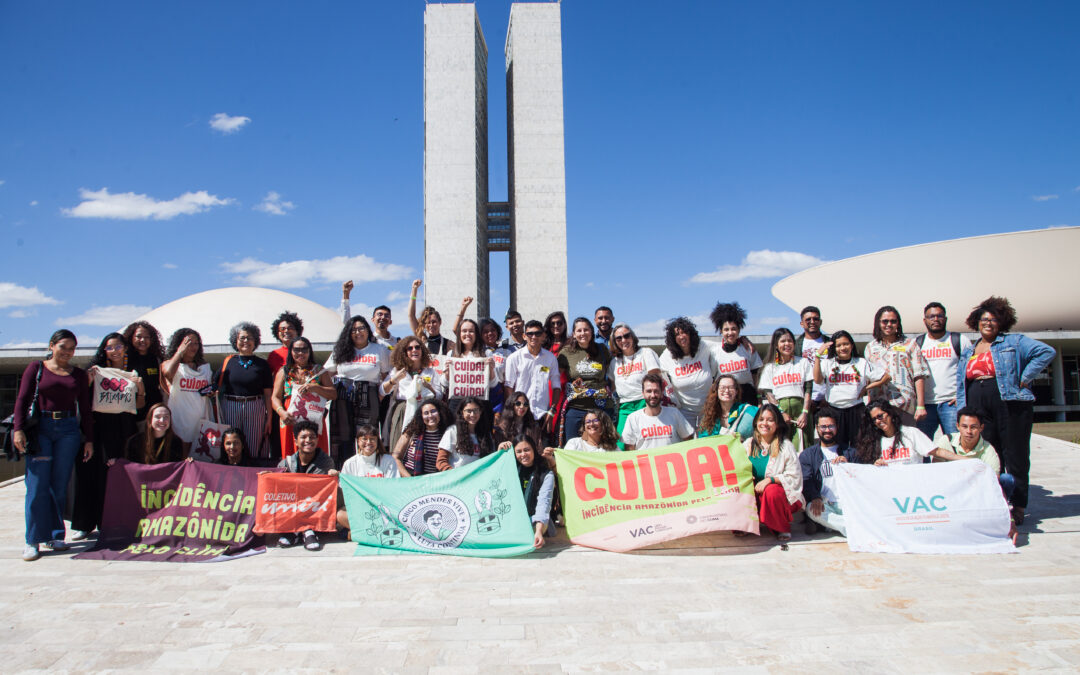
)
(1008, 484)
(942, 414)
(47, 476)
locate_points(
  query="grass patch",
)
(1064, 431)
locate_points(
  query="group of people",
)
(381, 406)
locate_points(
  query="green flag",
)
(475, 510)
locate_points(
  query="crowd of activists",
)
(586, 385)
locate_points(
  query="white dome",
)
(1036, 270)
(213, 313)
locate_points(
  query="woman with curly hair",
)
(723, 412)
(629, 365)
(186, 377)
(286, 328)
(428, 327)
(468, 440)
(994, 377)
(885, 440)
(411, 381)
(417, 448)
(246, 387)
(597, 434)
(787, 381)
(902, 358)
(490, 334)
(145, 355)
(735, 355)
(689, 366)
(358, 365)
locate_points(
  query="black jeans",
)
(1008, 429)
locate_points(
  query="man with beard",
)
(654, 426)
(604, 319)
(819, 495)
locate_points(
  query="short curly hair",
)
(292, 319)
(245, 327)
(999, 307)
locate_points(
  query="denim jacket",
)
(1017, 358)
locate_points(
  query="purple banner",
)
(178, 512)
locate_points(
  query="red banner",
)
(295, 502)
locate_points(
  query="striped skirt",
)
(249, 415)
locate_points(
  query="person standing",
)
(735, 355)
(941, 349)
(994, 377)
(655, 426)
(811, 341)
(586, 364)
(689, 366)
(515, 326)
(902, 359)
(534, 371)
(56, 393)
(299, 377)
(412, 379)
(604, 318)
(846, 377)
(787, 381)
(381, 318)
(186, 375)
(629, 365)
(428, 327)
(246, 387)
(358, 365)
(145, 355)
(286, 328)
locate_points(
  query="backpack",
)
(953, 337)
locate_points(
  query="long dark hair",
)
(415, 427)
(592, 349)
(239, 433)
(868, 438)
(773, 355)
(290, 363)
(551, 337)
(101, 357)
(178, 337)
(150, 447)
(843, 334)
(687, 326)
(482, 431)
(510, 426)
(530, 477)
(878, 334)
(757, 447)
(478, 341)
(155, 349)
(344, 349)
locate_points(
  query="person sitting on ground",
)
(655, 426)
(308, 458)
(538, 483)
(885, 441)
(819, 483)
(468, 440)
(723, 412)
(778, 477)
(370, 461)
(157, 444)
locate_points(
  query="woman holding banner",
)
(629, 365)
(234, 450)
(468, 440)
(186, 378)
(157, 444)
(724, 414)
(114, 422)
(469, 346)
(586, 364)
(417, 449)
(302, 379)
(358, 365)
(538, 484)
(490, 333)
(778, 479)
(597, 435)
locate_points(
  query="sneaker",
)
(79, 535)
(31, 553)
(286, 540)
(57, 545)
(311, 541)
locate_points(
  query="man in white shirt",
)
(654, 426)
(534, 371)
(942, 350)
(819, 482)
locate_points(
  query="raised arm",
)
(413, 322)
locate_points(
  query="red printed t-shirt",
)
(737, 363)
(691, 376)
(845, 382)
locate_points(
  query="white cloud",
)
(130, 206)
(656, 328)
(301, 273)
(13, 295)
(23, 313)
(170, 266)
(1043, 198)
(25, 344)
(228, 124)
(34, 203)
(763, 264)
(109, 315)
(274, 205)
(395, 295)
(2, 182)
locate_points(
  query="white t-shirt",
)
(532, 375)
(389, 342)
(691, 377)
(630, 371)
(188, 408)
(645, 431)
(363, 466)
(910, 448)
(410, 385)
(939, 354)
(737, 363)
(810, 346)
(828, 476)
(581, 445)
(845, 382)
(370, 364)
(499, 356)
(449, 443)
(787, 380)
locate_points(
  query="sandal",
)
(286, 540)
(311, 541)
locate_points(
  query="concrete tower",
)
(461, 227)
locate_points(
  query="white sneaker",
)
(31, 553)
(57, 545)
(79, 535)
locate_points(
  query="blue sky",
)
(696, 138)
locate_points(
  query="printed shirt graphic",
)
(738, 363)
(905, 363)
(629, 372)
(940, 387)
(644, 431)
(691, 376)
(114, 391)
(370, 364)
(845, 382)
(912, 446)
(187, 406)
(787, 380)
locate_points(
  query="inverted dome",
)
(1036, 270)
(213, 313)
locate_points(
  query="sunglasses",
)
(534, 333)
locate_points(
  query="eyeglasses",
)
(887, 322)
(812, 319)
(358, 329)
(533, 333)
(243, 337)
(300, 349)
(988, 319)
(286, 329)
(592, 423)
(470, 411)
(826, 427)
(115, 348)
(726, 389)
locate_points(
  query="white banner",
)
(467, 377)
(114, 391)
(952, 507)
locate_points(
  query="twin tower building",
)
(461, 225)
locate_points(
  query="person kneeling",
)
(778, 480)
(819, 487)
(370, 461)
(308, 458)
(538, 483)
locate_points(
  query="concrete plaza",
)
(707, 603)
